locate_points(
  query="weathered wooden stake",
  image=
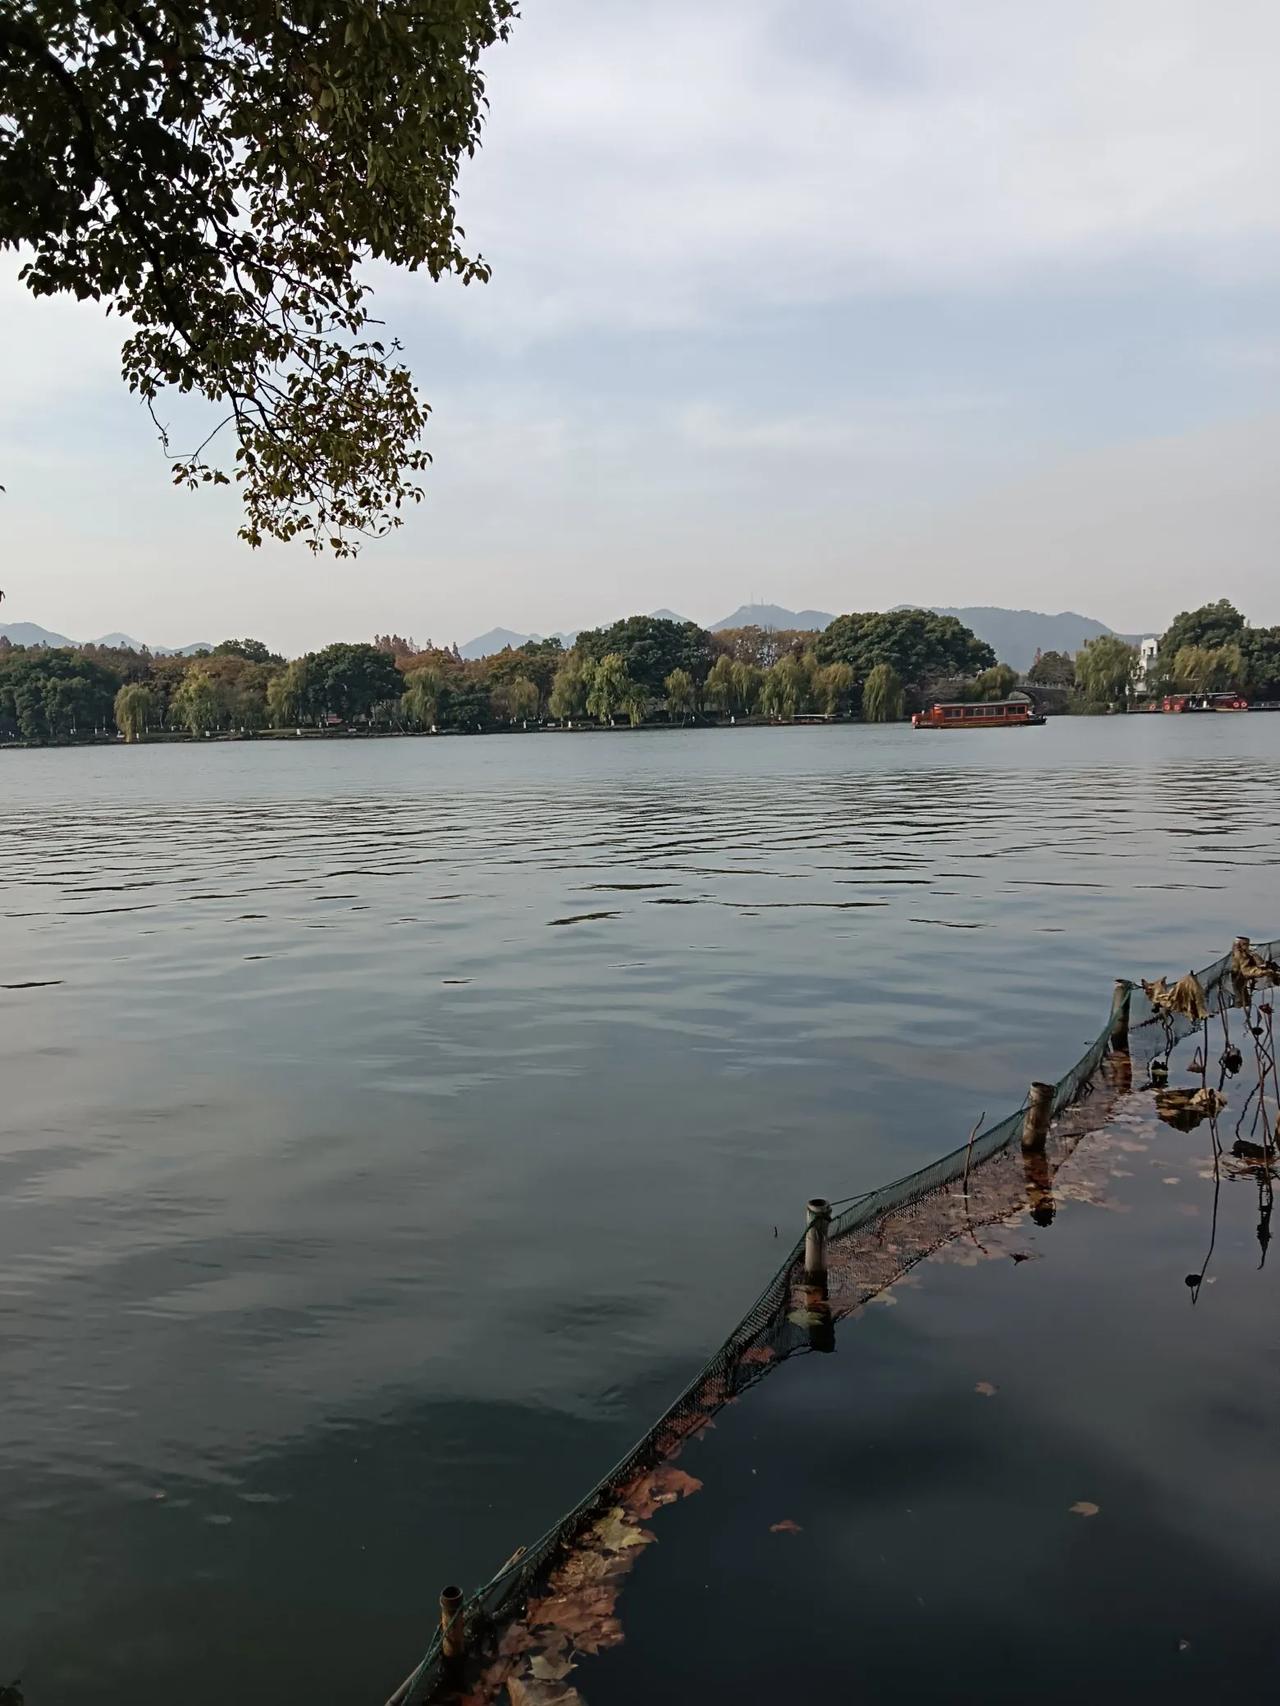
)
(1035, 1124)
(817, 1221)
(822, 1329)
(453, 1634)
(1120, 1016)
(1039, 1177)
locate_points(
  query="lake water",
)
(390, 1128)
(1036, 1469)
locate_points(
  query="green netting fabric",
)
(873, 1240)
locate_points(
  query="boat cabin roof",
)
(1020, 704)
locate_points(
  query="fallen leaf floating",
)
(786, 1526)
(548, 1669)
(615, 1533)
(986, 1389)
(586, 1617)
(1083, 1507)
(540, 1694)
(662, 1486)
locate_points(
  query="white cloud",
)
(668, 164)
(1131, 533)
(846, 301)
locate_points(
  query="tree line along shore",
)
(643, 670)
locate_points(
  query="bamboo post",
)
(1120, 1016)
(817, 1221)
(1035, 1124)
(453, 1634)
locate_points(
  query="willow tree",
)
(1106, 669)
(568, 689)
(784, 689)
(1208, 669)
(834, 686)
(523, 699)
(746, 683)
(197, 706)
(636, 702)
(219, 173)
(607, 687)
(882, 695)
(682, 695)
(288, 693)
(422, 696)
(718, 689)
(134, 708)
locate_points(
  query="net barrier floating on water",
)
(849, 1251)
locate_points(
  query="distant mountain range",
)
(1014, 635)
(32, 634)
(773, 616)
(498, 639)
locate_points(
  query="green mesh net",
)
(873, 1240)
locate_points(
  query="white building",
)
(1147, 651)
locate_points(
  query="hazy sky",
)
(839, 304)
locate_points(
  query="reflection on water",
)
(354, 1219)
(1041, 1476)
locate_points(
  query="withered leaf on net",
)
(552, 1667)
(615, 1533)
(575, 1614)
(516, 1638)
(660, 1486)
(585, 1569)
(525, 1691)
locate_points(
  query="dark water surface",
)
(388, 1129)
(1046, 1479)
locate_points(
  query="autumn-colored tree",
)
(396, 646)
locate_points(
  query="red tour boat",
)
(990, 714)
(1177, 702)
